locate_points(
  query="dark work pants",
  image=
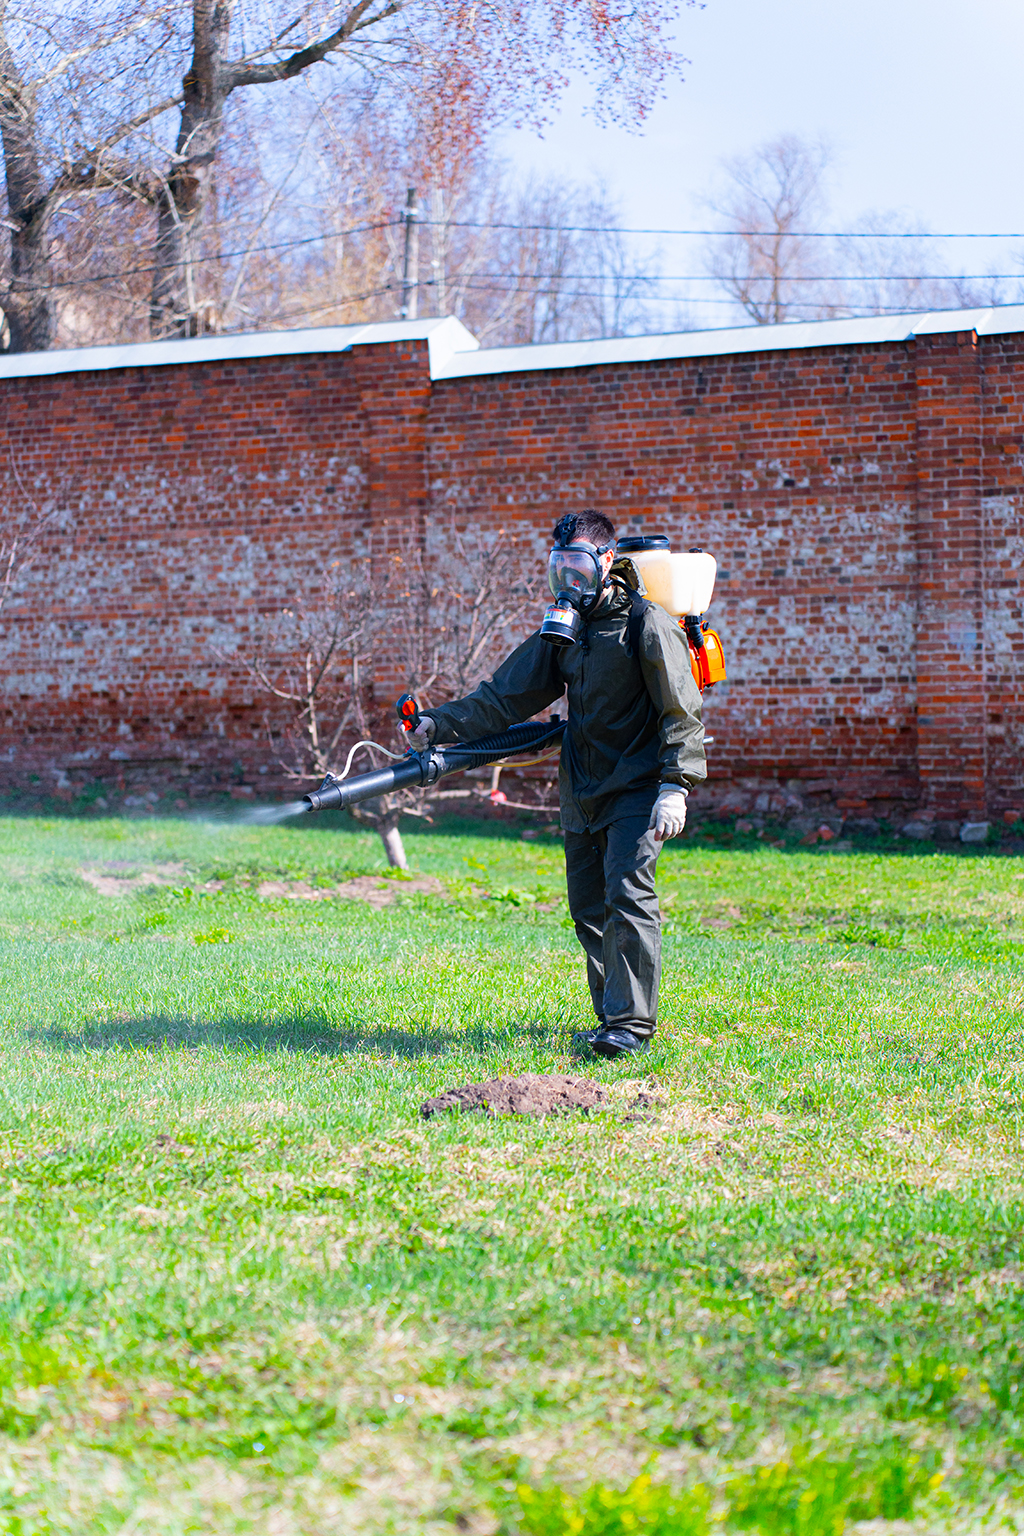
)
(614, 906)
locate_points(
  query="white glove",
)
(423, 735)
(669, 815)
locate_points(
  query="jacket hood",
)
(626, 574)
(622, 578)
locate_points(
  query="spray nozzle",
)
(325, 795)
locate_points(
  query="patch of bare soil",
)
(646, 1106)
(532, 1094)
(120, 878)
(368, 888)
(168, 1144)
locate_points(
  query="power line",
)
(840, 311)
(357, 229)
(746, 234)
(471, 286)
(199, 261)
(697, 277)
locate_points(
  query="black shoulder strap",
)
(635, 621)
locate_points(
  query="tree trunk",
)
(394, 848)
(176, 309)
(28, 303)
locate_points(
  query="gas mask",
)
(576, 582)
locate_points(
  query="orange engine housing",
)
(707, 661)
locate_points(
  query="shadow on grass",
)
(298, 1036)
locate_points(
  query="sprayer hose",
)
(518, 738)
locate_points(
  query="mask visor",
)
(575, 568)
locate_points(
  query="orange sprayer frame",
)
(707, 658)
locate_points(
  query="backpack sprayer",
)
(682, 584)
(417, 769)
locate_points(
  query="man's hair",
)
(591, 525)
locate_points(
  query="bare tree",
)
(138, 99)
(445, 611)
(465, 599)
(775, 261)
(889, 266)
(893, 266)
(771, 199)
(319, 658)
(979, 292)
(48, 162)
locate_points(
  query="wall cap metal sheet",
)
(443, 336)
(455, 353)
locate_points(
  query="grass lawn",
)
(246, 1288)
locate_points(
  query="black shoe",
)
(611, 1042)
(583, 1042)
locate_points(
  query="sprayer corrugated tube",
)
(419, 768)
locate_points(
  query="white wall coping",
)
(455, 353)
(995, 321)
(443, 337)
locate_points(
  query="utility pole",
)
(439, 250)
(411, 260)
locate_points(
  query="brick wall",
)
(797, 470)
(197, 498)
(863, 502)
(1002, 516)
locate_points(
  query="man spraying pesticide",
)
(633, 744)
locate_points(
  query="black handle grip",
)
(408, 712)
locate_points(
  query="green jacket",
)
(634, 723)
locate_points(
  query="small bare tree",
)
(771, 200)
(317, 658)
(25, 523)
(320, 659)
(465, 599)
(445, 611)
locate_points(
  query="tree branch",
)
(104, 41)
(87, 174)
(243, 73)
(139, 121)
(100, 178)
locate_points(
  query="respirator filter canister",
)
(561, 623)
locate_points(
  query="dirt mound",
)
(532, 1094)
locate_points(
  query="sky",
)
(920, 100)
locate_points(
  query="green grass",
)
(245, 1288)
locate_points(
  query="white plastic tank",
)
(680, 582)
